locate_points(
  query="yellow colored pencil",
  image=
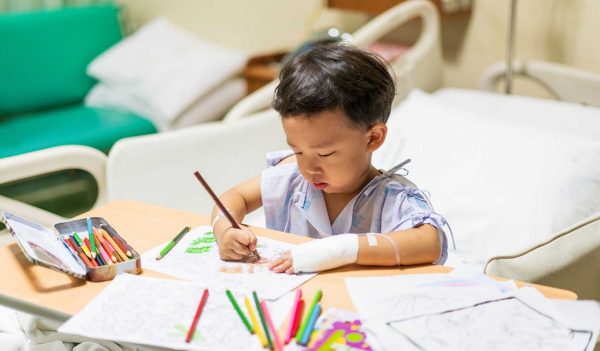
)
(259, 332)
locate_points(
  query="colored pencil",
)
(221, 207)
(80, 252)
(293, 314)
(239, 311)
(255, 324)
(311, 325)
(114, 245)
(93, 248)
(82, 245)
(172, 243)
(104, 244)
(298, 318)
(262, 320)
(105, 255)
(192, 330)
(278, 345)
(118, 240)
(315, 300)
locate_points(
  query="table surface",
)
(45, 292)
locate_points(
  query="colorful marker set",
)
(268, 334)
(98, 248)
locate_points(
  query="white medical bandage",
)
(327, 253)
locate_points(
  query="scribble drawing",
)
(196, 258)
(502, 324)
(202, 244)
(161, 312)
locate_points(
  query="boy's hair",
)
(336, 76)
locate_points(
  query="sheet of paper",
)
(196, 258)
(431, 312)
(159, 312)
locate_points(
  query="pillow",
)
(502, 186)
(209, 107)
(166, 68)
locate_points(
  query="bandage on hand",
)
(327, 253)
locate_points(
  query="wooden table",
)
(57, 296)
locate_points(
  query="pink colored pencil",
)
(104, 255)
(295, 309)
(278, 345)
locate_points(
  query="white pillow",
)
(165, 67)
(502, 186)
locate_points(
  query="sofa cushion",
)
(45, 55)
(95, 127)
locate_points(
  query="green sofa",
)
(43, 80)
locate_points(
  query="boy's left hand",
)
(283, 264)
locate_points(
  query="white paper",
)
(159, 312)
(449, 312)
(196, 258)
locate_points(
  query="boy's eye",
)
(325, 155)
(298, 153)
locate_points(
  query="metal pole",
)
(510, 46)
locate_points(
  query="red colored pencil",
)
(298, 318)
(190, 333)
(293, 314)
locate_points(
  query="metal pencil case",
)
(47, 247)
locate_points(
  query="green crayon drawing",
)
(202, 244)
(181, 329)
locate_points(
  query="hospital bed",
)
(518, 178)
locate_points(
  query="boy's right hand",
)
(236, 244)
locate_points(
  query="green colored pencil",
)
(90, 230)
(172, 243)
(239, 311)
(315, 300)
(262, 320)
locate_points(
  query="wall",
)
(254, 25)
(564, 31)
(553, 30)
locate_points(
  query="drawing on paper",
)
(159, 312)
(196, 258)
(202, 244)
(502, 324)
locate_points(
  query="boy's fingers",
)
(240, 249)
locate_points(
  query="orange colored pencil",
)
(103, 243)
(120, 243)
(114, 245)
(79, 253)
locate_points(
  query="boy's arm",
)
(415, 246)
(419, 245)
(235, 244)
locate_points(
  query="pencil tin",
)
(50, 247)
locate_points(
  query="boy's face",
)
(333, 154)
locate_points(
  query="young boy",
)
(334, 101)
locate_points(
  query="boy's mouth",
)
(320, 186)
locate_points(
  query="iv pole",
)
(510, 46)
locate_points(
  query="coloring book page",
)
(196, 258)
(159, 312)
(449, 312)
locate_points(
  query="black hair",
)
(336, 76)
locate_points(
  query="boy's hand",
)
(236, 244)
(283, 264)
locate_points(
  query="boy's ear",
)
(376, 134)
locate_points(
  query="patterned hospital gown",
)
(388, 203)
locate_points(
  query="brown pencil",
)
(222, 208)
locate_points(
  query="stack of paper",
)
(469, 312)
